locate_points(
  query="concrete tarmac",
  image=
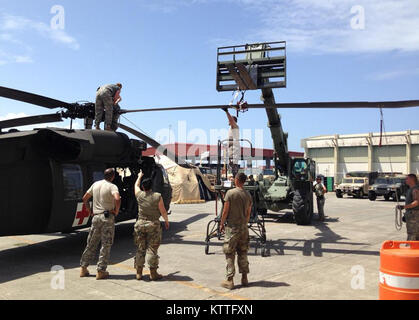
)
(336, 259)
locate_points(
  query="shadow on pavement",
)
(23, 261)
(169, 277)
(267, 284)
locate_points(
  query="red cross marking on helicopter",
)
(82, 214)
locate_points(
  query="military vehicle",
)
(353, 186)
(388, 187)
(356, 184)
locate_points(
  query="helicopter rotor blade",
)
(150, 141)
(32, 98)
(304, 105)
(18, 122)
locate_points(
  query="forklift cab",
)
(303, 169)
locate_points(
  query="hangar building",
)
(335, 155)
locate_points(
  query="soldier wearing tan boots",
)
(236, 213)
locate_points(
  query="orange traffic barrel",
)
(399, 270)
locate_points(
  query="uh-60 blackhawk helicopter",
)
(44, 172)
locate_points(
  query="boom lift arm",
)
(279, 137)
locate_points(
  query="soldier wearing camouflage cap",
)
(236, 212)
(320, 190)
(147, 229)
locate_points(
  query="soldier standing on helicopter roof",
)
(107, 97)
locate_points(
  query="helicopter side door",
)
(68, 190)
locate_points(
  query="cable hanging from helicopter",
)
(241, 105)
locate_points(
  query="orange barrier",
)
(399, 270)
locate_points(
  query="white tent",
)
(189, 185)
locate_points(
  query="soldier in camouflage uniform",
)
(147, 229)
(234, 148)
(236, 212)
(412, 208)
(320, 190)
(106, 204)
(107, 97)
(88, 123)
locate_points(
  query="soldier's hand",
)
(89, 211)
(221, 227)
(225, 109)
(166, 224)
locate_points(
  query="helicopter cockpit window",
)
(73, 182)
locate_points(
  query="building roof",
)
(195, 150)
(363, 139)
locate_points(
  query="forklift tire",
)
(302, 209)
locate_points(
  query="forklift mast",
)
(258, 66)
(279, 137)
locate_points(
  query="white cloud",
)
(6, 58)
(12, 28)
(391, 75)
(169, 6)
(325, 25)
(23, 59)
(10, 23)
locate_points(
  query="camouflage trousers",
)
(236, 241)
(147, 238)
(102, 231)
(320, 206)
(412, 225)
(88, 123)
(104, 103)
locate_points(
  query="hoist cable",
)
(398, 217)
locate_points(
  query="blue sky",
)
(164, 53)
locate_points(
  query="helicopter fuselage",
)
(44, 174)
